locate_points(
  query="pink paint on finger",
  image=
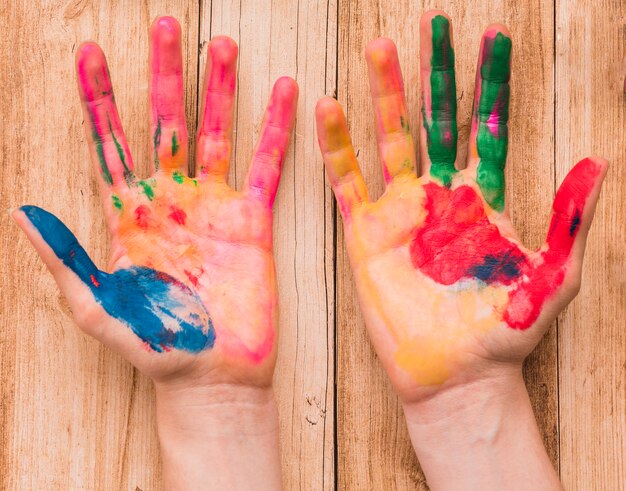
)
(169, 130)
(268, 156)
(104, 128)
(214, 143)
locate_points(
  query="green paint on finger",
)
(97, 140)
(175, 145)
(147, 189)
(120, 150)
(104, 168)
(492, 138)
(440, 124)
(128, 174)
(405, 125)
(156, 141)
(178, 177)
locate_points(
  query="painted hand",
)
(192, 287)
(448, 292)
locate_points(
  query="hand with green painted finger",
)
(453, 302)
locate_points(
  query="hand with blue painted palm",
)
(190, 295)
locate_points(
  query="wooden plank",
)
(74, 415)
(374, 451)
(284, 38)
(591, 107)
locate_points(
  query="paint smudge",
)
(162, 311)
(194, 278)
(128, 175)
(178, 176)
(175, 145)
(492, 116)
(97, 140)
(440, 118)
(117, 202)
(458, 242)
(147, 189)
(178, 215)
(142, 216)
(156, 141)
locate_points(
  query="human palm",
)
(447, 291)
(192, 286)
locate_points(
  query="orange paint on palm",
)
(175, 232)
(215, 240)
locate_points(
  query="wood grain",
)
(73, 415)
(591, 106)
(373, 446)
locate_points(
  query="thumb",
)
(73, 270)
(573, 210)
(162, 311)
(556, 278)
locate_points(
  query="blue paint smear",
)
(575, 223)
(494, 267)
(161, 310)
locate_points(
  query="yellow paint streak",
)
(426, 362)
(430, 356)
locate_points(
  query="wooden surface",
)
(73, 415)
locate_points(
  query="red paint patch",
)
(178, 215)
(142, 216)
(458, 241)
(165, 278)
(193, 278)
(569, 205)
(95, 282)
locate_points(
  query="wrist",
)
(481, 435)
(218, 437)
(466, 402)
(216, 410)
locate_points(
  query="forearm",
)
(223, 437)
(481, 436)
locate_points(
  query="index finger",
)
(340, 161)
(280, 115)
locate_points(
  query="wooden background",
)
(73, 415)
